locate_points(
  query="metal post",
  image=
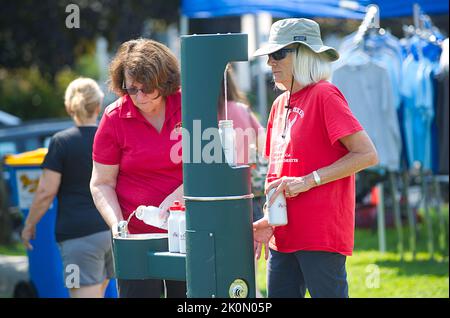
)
(416, 15)
(428, 218)
(397, 216)
(442, 224)
(261, 77)
(184, 25)
(411, 216)
(380, 219)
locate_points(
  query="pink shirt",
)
(147, 174)
(321, 219)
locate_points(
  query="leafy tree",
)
(39, 55)
(34, 33)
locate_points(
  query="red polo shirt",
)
(321, 219)
(147, 174)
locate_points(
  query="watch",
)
(316, 177)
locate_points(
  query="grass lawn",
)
(16, 249)
(373, 274)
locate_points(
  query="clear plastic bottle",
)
(278, 209)
(182, 230)
(151, 215)
(173, 227)
(228, 140)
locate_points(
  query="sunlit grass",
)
(16, 249)
(385, 275)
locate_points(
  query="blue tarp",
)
(308, 8)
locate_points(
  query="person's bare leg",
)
(92, 291)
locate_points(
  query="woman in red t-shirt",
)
(132, 152)
(315, 146)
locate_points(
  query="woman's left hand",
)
(28, 233)
(291, 186)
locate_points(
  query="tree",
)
(35, 33)
(38, 46)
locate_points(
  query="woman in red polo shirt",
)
(132, 146)
(315, 146)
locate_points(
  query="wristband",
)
(316, 177)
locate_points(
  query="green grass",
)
(16, 249)
(376, 275)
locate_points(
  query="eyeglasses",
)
(134, 90)
(281, 54)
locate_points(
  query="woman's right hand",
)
(114, 229)
(262, 233)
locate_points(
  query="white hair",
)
(310, 67)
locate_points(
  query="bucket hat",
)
(303, 31)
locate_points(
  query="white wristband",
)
(316, 177)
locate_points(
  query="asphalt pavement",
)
(12, 270)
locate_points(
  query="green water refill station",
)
(219, 261)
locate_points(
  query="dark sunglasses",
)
(281, 54)
(134, 90)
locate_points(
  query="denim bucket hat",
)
(303, 31)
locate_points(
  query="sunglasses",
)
(134, 90)
(281, 54)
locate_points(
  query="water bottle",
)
(182, 230)
(278, 209)
(173, 227)
(151, 215)
(228, 140)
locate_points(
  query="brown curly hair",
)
(147, 62)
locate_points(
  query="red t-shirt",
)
(321, 219)
(147, 174)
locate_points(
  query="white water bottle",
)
(173, 227)
(228, 140)
(278, 209)
(182, 230)
(151, 215)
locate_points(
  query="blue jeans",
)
(323, 273)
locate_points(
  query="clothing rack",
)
(431, 197)
(370, 23)
(392, 180)
(393, 190)
(423, 25)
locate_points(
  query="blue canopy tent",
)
(392, 9)
(350, 9)
(286, 8)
